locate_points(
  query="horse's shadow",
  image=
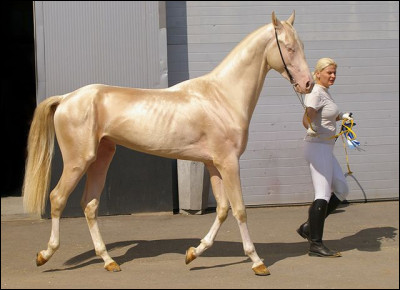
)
(365, 240)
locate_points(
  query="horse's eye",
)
(290, 50)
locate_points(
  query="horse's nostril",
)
(309, 85)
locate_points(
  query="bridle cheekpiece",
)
(283, 60)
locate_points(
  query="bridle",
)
(299, 96)
(283, 60)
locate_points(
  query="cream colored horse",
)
(204, 119)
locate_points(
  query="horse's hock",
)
(193, 187)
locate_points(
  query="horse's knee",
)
(90, 209)
(222, 213)
(240, 214)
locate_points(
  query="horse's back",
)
(155, 121)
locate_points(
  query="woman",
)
(320, 121)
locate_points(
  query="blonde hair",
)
(322, 64)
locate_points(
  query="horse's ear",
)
(291, 18)
(275, 21)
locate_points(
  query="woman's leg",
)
(320, 156)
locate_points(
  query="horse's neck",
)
(242, 73)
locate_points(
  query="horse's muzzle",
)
(304, 90)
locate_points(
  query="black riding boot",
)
(304, 229)
(317, 214)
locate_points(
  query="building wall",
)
(363, 38)
(123, 44)
(112, 42)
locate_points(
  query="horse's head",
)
(286, 55)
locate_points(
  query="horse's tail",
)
(40, 153)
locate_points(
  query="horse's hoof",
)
(112, 267)
(261, 270)
(40, 260)
(190, 255)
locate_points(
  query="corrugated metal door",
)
(116, 43)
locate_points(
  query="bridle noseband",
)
(283, 60)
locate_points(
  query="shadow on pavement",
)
(365, 240)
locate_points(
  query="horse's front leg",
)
(230, 173)
(96, 176)
(222, 212)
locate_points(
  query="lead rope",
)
(349, 172)
(348, 135)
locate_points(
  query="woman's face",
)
(327, 76)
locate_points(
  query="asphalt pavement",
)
(150, 248)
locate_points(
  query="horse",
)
(203, 119)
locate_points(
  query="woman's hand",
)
(311, 132)
(345, 116)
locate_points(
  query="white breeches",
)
(327, 175)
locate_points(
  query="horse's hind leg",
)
(72, 172)
(96, 176)
(222, 213)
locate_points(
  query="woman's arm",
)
(309, 116)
